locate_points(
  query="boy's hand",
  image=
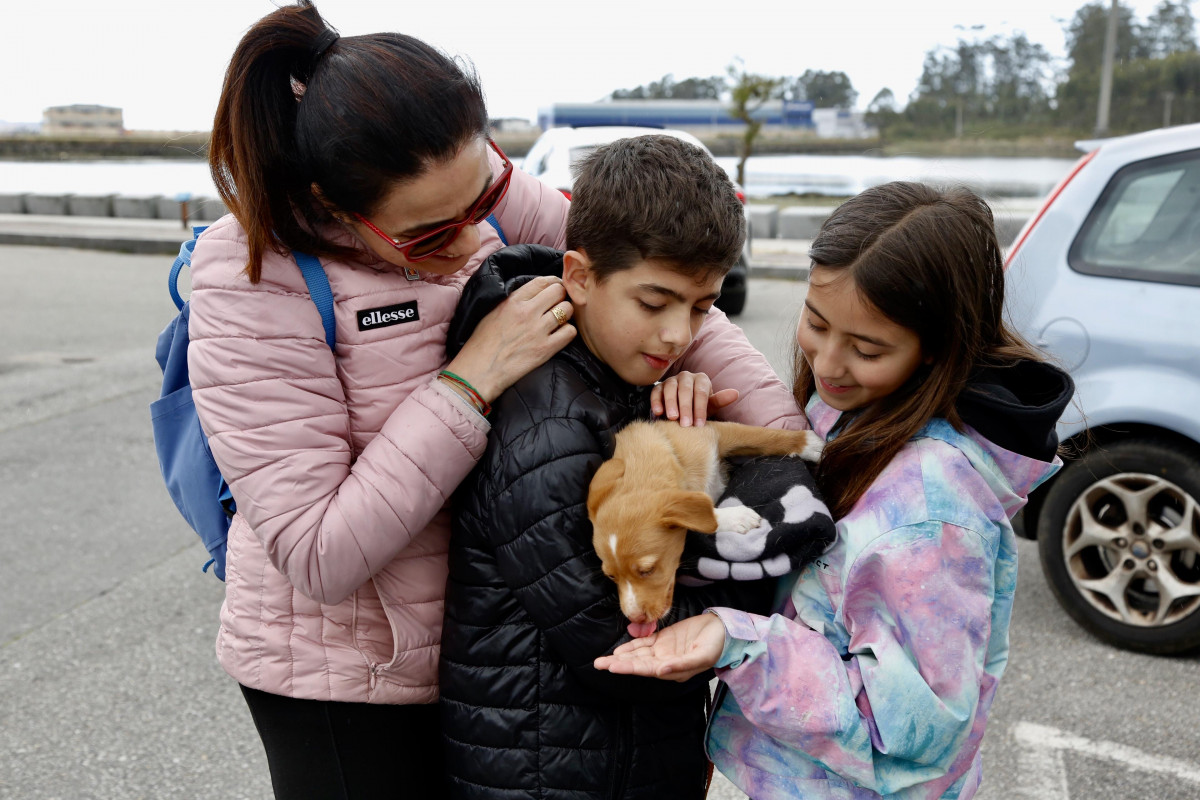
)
(675, 653)
(688, 397)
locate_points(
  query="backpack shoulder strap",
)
(495, 223)
(322, 295)
(184, 259)
(310, 268)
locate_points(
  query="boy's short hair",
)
(657, 198)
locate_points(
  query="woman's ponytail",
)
(252, 154)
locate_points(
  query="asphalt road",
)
(109, 688)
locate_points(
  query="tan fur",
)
(660, 483)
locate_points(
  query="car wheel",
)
(732, 302)
(1119, 540)
(733, 294)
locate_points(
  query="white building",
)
(840, 123)
(86, 120)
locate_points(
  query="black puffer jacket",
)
(525, 714)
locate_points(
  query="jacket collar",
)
(1011, 475)
(600, 377)
(503, 273)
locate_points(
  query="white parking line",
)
(1042, 774)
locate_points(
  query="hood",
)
(1011, 439)
(1018, 407)
(500, 275)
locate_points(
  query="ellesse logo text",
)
(373, 318)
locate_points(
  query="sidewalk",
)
(771, 258)
(94, 233)
(779, 258)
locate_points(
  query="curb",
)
(107, 243)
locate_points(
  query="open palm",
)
(676, 653)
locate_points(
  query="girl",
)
(876, 676)
(372, 153)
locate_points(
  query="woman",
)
(370, 152)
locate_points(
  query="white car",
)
(553, 158)
(1106, 279)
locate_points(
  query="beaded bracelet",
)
(483, 406)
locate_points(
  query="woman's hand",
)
(688, 397)
(520, 334)
(675, 653)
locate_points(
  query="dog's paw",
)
(737, 519)
(811, 451)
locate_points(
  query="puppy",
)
(661, 482)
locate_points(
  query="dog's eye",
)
(645, 573)
(610, 577)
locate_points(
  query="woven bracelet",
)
(483, 406)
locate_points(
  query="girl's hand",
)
(675, 653)
(520, 334)
(688, 397)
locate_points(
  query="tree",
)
(1155, 77)
(748, 92)
(1085, 38)
(881, 112)
(668, 89)
(823, 89)
(997, 81)
(1021, 80)
(699, 89)
(1171, 29)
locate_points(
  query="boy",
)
(653, 228)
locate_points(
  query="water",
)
(141, 178)
(843, 176)
(839, 176)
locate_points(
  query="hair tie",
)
(325, 40)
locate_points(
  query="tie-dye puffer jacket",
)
(877, 676)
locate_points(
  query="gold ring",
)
(560, 315)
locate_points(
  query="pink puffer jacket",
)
(342, 466)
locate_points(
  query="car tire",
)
(733, 293)
(733, 302)
(1119, 543)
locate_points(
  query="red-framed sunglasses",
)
(438, 239)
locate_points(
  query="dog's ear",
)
(690, 510)
(603, 483)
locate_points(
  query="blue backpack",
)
(191, 474)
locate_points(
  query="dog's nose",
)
(640, 617)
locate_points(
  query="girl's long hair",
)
(929, 261)
(353, 118)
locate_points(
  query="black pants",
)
(318, 749)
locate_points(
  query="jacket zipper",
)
(621, 754)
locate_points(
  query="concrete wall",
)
(767, 221)
(202, 209)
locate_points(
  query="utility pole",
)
(1106, 70)
(1167, 98)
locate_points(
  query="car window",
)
(535, 159)
(1146, 223)
(577, 154)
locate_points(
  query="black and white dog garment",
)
(795, 525)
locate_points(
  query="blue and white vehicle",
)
(552, 159)
(1106, 279)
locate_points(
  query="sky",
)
(163, 61)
